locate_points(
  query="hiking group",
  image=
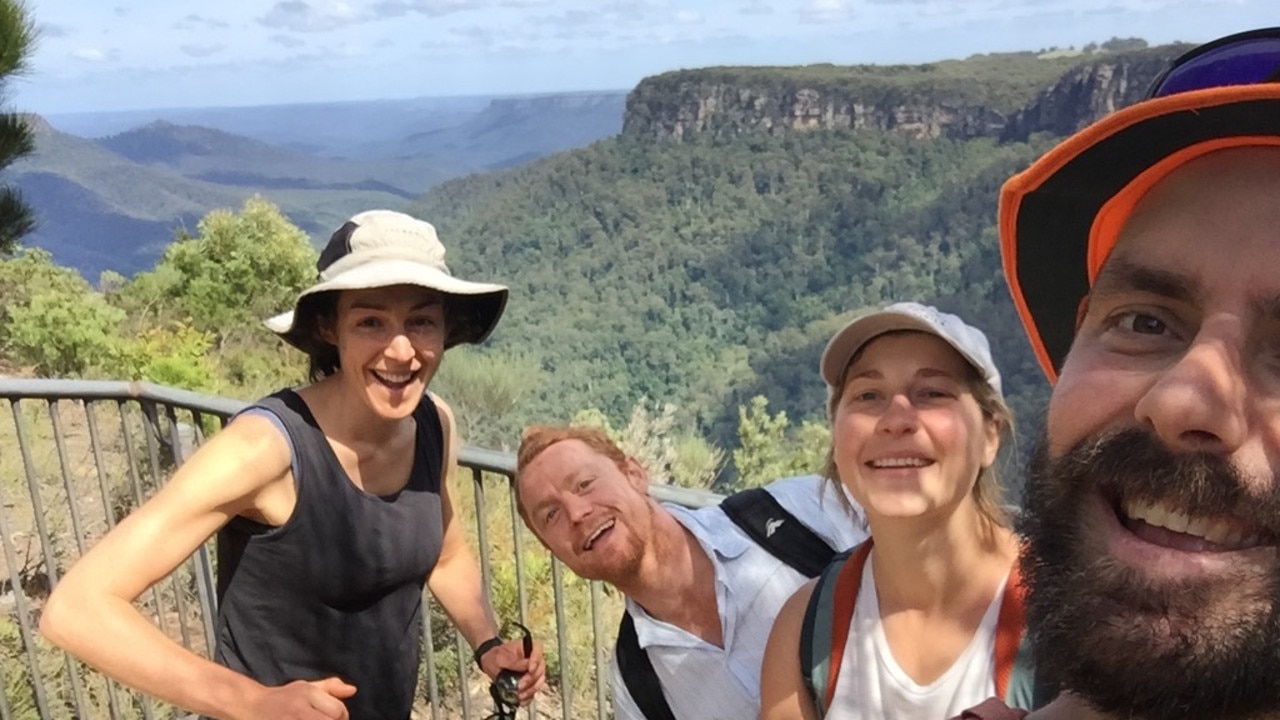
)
(1138, 579)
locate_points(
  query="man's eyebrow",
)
(1120, 275)
(571, 476)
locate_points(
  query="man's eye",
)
(1142, 324)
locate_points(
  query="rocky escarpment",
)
(694, 103)
(1005, 96)
(1088, 92)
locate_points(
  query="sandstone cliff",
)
(1090, 91)
(1007, 96)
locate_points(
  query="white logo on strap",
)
(772, 525)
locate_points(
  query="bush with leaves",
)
(769, 448)
(175, 354)
(64, 332)
(672, 457)
(238, 269)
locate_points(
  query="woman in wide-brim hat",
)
(330, 504)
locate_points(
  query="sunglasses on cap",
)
(1245, 58)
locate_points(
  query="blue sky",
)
(98, 55)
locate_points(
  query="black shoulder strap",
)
(775, 529)
(638, 673)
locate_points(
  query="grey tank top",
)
(337, 589)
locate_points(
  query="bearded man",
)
(1143, 254)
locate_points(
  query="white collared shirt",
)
(702, 681)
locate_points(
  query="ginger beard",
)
(1131, 643)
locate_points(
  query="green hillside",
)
(706, 272)
(700, 259)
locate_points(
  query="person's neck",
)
(676, 580)
(346, 418)
(930, 565)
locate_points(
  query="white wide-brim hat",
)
(382, 248)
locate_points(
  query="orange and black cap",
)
(1060, 218)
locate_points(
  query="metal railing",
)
(77, 456)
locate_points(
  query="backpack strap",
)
(827, 618)
(775, 529)
(769, 525)
(1017, 682)
(1009, 631)
(638, 673)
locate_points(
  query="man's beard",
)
(1136, 646)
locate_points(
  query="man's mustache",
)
(1133, 465)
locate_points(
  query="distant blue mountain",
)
(115, 202)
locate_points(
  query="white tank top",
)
(872, 686)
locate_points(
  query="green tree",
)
(769, 448)
(487, 391)
(52, 321)
(65, 333)
(174, 355)
(17, 38)
(238, 269)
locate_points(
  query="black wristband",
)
(485, 647)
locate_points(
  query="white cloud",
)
(303, 16)
(826, 11)
(326, 15)
(50, 30)
(201, 51)
(288, 41)
(200, 22)
(89, 54)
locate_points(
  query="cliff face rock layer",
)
(1005, 96)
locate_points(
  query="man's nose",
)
(576, 508)
(1199, 404)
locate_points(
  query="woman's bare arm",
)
(783, 694)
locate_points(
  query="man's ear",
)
(637, 475)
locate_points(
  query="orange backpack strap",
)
(1009, 629)
(826, 624)
(1016, 681)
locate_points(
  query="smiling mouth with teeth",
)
(899, 462)
(1160, 524)
(393, 379)
(591, 540)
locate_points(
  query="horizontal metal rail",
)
(76, 456)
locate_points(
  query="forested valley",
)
(675, 283)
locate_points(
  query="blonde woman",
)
(925, 618)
